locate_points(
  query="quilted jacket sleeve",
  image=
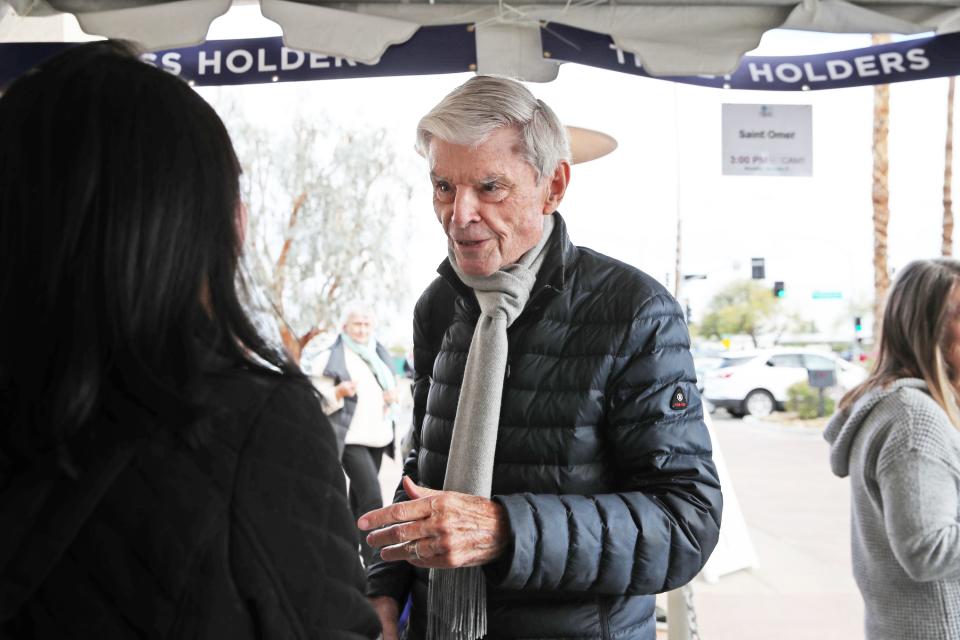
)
(294, 543)
(657, 531)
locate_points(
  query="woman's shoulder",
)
(241, 386)
(316, 358)
(243, 400)
(920, 427)
(293, 531)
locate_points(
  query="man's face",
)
(489, 202)
(358, 327)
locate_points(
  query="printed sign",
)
(914, 59)
(452, 48)
(767, 140)
(265, 60)
(827, 295)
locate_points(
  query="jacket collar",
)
(337, 362)
(554, 272)
(336, 367)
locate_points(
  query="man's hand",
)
(438, 529)
(346, 389)
(389, 613)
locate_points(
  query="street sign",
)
(827, 295)
(821, 378)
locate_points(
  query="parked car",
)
(704, 360)
(756, 383)
(704, 365)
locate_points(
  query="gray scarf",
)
(457, 604)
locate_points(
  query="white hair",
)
(357, 308)
(483, 104)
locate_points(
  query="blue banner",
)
(431, 50)
(932, 57)
(452, 49)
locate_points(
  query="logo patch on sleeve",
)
(678, 400)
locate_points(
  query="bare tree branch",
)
(329, 214)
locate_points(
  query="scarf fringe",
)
(459, 604)
(457, 598)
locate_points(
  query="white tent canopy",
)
(670, 37)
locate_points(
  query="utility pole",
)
(677, 277)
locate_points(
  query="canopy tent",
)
(668, 37)
(452, 49)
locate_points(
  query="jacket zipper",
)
(604, 619)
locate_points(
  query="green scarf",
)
(368, 353)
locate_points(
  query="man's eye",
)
(443, 191)
(493, 191)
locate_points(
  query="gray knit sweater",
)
(903, 459)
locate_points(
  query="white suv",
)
(756, 382)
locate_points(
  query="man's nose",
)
(465, 207)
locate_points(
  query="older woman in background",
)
(359, 390)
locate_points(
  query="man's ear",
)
(556, 187)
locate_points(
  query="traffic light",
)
(778, 289)
(857, 324)
(758, 269)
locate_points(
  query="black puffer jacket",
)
(247, 535)
(611, 491)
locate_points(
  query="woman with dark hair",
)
(161, 469)
(897, 436)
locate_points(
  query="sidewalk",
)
(797, 514)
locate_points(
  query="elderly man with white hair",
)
(561, 471)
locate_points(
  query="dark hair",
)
(913, 333)
(119, 245)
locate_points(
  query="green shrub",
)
(805, 401)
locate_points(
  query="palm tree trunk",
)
(947, 247)
(881, 194)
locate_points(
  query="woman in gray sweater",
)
(897, 436)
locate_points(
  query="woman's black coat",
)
(246, 535)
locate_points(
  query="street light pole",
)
(684, 278)
(676, 276)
